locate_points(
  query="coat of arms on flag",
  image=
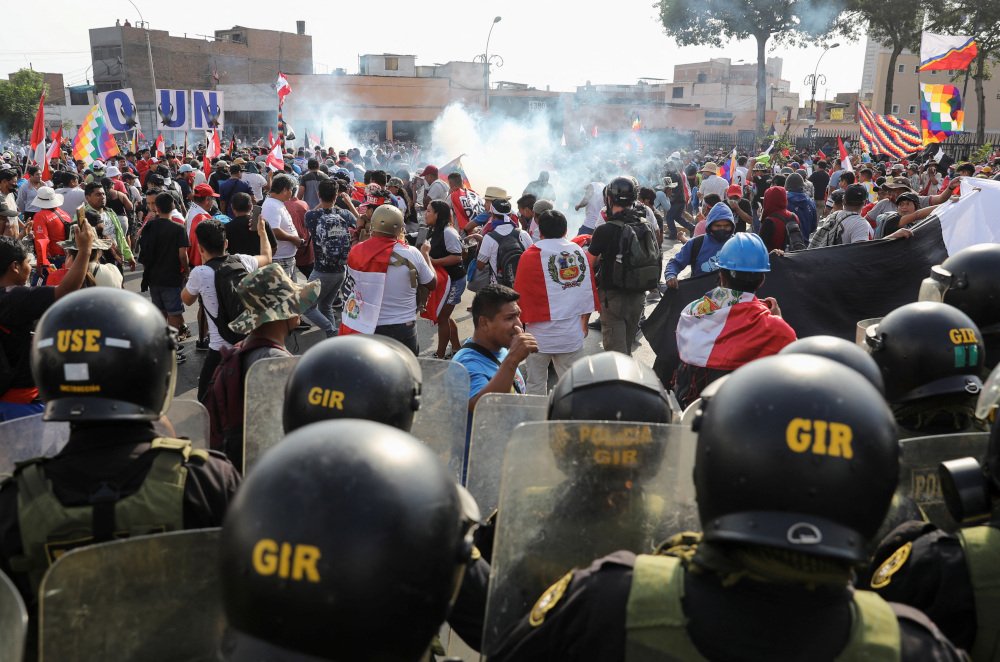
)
(941, 112)
(567, 269)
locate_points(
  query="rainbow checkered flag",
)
(93, 141)
(941, 113)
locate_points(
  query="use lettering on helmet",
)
(78, 340)
(325, 397)
(821, 437)
(286, 560)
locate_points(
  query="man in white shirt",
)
(711, 182)
(255, 180)
(212, 245)
(276, 214)
(846, 226)
(489, 249)
(72, 194)
(740, 176)
(592, 203)
(436, 189)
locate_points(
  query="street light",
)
(149, 53)
(486, 59)
(811, 80)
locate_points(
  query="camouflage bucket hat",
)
(270, 295)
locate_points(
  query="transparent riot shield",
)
(990, 396)
(493, 422)
(692, 410)
(443, 415)
(13, 621)
(149, 598)
(263, 400)
(861, 332)
(573, 491)
(30, 437)
(918, 469)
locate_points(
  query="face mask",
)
(721, 235)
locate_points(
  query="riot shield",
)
(30, 437)
(990, 396)
(918, 469)
(443, 415)
(692, 410)
(13, 621)
(861, 332)
(493, 422)
(263, 400)
(148, 598)
(573, 491)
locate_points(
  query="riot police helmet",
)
(354, 376)
(843, 352)
(104, 354)
(347, 541)
(797, 453)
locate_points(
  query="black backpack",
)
(229, 271)
(509, 252)
(636, 266)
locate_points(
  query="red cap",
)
(734, 191)
(204, 191)
(429, 170)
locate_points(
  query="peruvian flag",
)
(38, 133)
(845, 159)
(213, 149)
(555, 281)
(436, 299)
(158, 150)
(53, 153)
(275, 160)
(820, 154)
(726, 329)
(283, 88)
(687, 187)
(367, 264)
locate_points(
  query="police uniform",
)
(586, 616)
(953, 578)
(116, 457)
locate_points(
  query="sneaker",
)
(183, 333)
(595, 325)
(201, 345)
(181, 358)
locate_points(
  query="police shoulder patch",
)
(891, 566)
(549, 600)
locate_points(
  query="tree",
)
(19, 101)
(980, 20)
(712, 22)
(885, 23)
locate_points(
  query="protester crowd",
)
(363, 245)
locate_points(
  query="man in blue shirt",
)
(698, 253)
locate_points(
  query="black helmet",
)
(355, 376)
(347, 541)
(843, 352)
(798, 453)
(622, 191)
(104, 354)
(927, 349)
(609, 386)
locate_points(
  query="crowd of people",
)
(810, 547)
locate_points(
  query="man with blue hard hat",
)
(729, 326)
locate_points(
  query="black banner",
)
(823, 291)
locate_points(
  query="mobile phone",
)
(255, 215)
(421, 235)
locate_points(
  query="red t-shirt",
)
(47, 226)
(194, 257)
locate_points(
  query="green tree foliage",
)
(714, 22)
(19, 101)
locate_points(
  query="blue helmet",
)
(744, 251)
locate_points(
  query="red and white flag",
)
(283, 88)
(436, 299)
(53, 153)
(726, 329)
(158, 150)
(555, 281)
(275, 160)
(38, 133)
(213, 149)
(367, 264)
(845, 158)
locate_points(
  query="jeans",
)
(675, 216)
(620, 313)
(404, 333)
(329, 306)
(288, 264)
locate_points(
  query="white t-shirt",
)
(73, 198)
(595, 203)
(193, 211)
(202, 281)
(399, 300)
(557, 336)
(256, 183)
(438, 190)
(856, 229)
(277, 216)
(489, 248)
(199, 178)
(107, 275)
(713, 184)
(452, 241)
(740, 176)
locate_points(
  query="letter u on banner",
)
(206, 110)
(172, 110)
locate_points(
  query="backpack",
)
(224, 398)
(830, 231)
(636, 267)
(229, 271)
(794, 241)
(509, 252)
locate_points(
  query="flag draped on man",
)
(93, 141)
(941, 112)
(887, 134)
(38, 133)
(455, 165)
(367, 264)
(941, 51)
(555, 282)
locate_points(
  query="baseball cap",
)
(734, 191)
(205, 191)
(185, 167)
(855, 194)
(428, 170)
